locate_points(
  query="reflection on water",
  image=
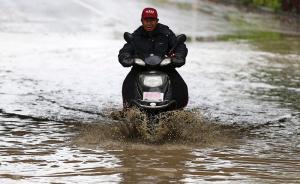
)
(281, 74)
(32, 152)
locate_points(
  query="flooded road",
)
(60, 96)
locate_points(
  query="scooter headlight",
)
(153, 81)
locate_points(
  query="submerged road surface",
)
(60, 81)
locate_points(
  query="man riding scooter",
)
(153, 38)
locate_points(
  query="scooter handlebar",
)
(166, 61)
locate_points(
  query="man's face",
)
(149, 24)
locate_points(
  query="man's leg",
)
(128, 88)
(179, 89)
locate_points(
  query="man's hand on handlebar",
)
(177, 61)
(128, 61)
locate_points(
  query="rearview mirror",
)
(128, 37)
(181, 38)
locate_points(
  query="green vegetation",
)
(273, 4)
(292, 6)
(267, 41)
(256, 36)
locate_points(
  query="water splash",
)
(186, 127)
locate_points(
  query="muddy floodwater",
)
(61, 118)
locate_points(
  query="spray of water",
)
(175, 127)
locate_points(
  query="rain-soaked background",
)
(60, 100)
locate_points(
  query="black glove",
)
(177, 61)
(126, 60)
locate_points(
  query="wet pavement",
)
(60, 101)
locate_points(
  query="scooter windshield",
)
(153, 60)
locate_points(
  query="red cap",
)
(149, 13)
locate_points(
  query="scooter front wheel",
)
(152, 123)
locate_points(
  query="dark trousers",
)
(179, 87)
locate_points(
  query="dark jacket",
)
(158, 42)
